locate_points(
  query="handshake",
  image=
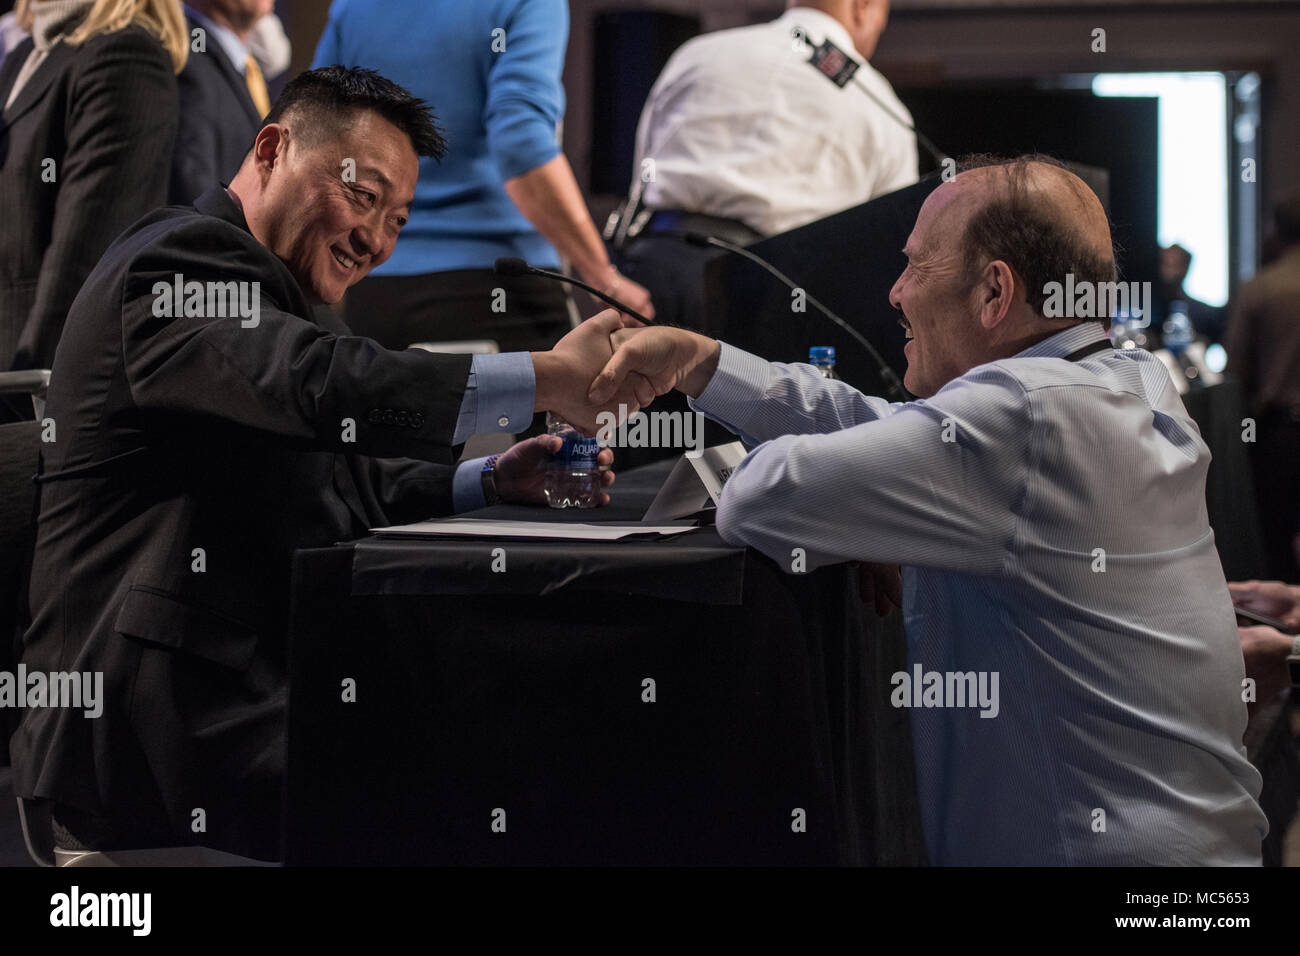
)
(608, 364)
(611, 363)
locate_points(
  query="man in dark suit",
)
(207, 427)
(218, 118)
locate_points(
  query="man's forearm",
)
(549, 198)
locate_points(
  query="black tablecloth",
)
(525, 692)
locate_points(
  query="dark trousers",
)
(519, 313)
(1276, 464)
(673, 272)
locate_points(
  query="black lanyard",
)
(1088, 349)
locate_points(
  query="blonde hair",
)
(163, 18)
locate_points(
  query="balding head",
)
(1038, 217)
(985, 246)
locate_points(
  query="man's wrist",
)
(545, 372)
(488, 476)
(701, 372)
(602, 275)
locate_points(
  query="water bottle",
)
(572, 477)
(822, 358)
(1177, 330)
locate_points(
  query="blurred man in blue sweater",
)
(491, 71)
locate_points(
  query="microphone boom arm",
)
(893, 386)
(512, 266)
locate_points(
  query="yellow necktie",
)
(257, 86)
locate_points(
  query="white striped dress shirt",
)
(1051, 520)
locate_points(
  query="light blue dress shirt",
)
(498, 400)
(1051, 520)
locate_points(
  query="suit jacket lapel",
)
(13, 62)
(38, 82)
(234, 79)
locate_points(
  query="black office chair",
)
(20, 445)
(19, 451)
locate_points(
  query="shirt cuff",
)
(498, 396)
(736, 387)
(467, 486)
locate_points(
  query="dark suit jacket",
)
(218, 122)
(105, 112)
(179, 434)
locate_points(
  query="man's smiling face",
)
(933, 293)
(332, 211)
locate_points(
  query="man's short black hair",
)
(1025, 235)
(322, 100)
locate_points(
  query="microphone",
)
(893, 386)
(838, 67)
(511, 266)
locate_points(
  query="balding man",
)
(742, 137)
(1073, 660)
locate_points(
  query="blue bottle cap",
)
(821, 353)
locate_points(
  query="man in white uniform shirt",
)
(1046, 495)
(741, 137)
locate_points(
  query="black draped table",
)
(671, 701)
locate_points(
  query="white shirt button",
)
(503, 421)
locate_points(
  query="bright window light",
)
(1193, 168)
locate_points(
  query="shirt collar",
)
(218, 203)
(1066, 341)
(235, 49)
(56, 18)
(821, 26)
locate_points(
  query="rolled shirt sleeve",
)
(525, 97)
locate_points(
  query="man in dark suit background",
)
(218, 115)
(203, 438)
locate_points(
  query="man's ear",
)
(995, 292)
(269, 147)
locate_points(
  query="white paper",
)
(482, 527)
(694, 482)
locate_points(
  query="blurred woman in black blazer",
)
(86, 136)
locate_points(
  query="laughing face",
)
(933, 295)
(332, 211)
